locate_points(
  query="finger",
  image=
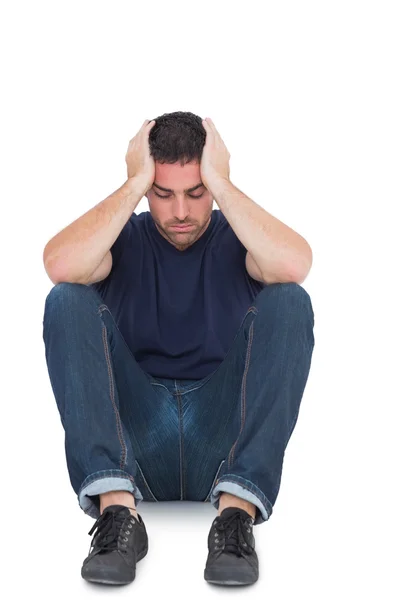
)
(147, 125)
(208, 128)
(212, 126)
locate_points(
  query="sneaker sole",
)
(227, 577)
(110, 582)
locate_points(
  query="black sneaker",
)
(232, 559)
(119, 543)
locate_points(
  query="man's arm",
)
(80, 252)
(275, 252)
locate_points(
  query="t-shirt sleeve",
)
(121, 246)
(256, 285)
(122, 242)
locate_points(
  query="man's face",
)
(180, 206)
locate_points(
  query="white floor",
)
(329, 538)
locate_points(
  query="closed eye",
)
(169, 195)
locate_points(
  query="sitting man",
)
(178, 343)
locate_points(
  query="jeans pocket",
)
(213, 483)
(142, 484)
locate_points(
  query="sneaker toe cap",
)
(107, 568)
(228, 568)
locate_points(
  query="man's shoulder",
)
(141, 217)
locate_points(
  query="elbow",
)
(57, 274)
(54, 274)
(300, 273)
(50, 268)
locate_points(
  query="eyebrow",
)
(192, 189)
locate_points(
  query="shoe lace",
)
(233, 528)
(108, 527)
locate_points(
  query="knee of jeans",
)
(65, 293)
(291, 290)
(67, 298)
(60, 290)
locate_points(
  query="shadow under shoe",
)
(119, 543)
(232, 558)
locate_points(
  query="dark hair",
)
(178, 136)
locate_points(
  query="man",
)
(178, 343)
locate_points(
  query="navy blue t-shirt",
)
(178, 311)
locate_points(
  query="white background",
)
(306, 97)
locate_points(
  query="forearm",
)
(277, 249)
(77, 251)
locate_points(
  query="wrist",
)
(136, 185)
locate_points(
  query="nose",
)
(181, 210)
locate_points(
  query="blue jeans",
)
(173, 439)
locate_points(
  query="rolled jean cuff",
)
(238, 486)
(101, 482)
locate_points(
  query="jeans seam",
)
(160, 385)
(181, 451)
(145, 480)
(123, 456)
(182, 392)
(252, 309)
(214, 481)
(243, 391)
(104, 307)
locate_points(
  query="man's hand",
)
(138, 159)
(215, 158)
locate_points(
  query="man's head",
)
(178, 196)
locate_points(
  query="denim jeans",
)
(172, 439)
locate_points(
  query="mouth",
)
(182, 227)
